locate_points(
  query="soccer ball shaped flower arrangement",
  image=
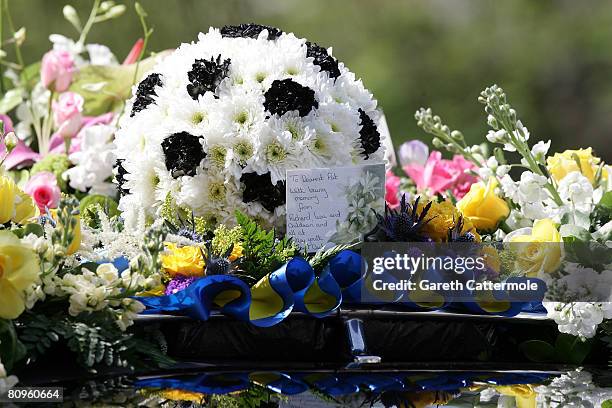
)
(214, 126)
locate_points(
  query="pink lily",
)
(21, 155)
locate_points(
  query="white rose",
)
(107, 272)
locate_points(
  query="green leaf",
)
(538, 351)
(607, 404)
(570, 230)
(11, 349)
(10, 100)
(606, 201)
(571, 349)
(30, 75)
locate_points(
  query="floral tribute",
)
(214, 126)
(112, 208)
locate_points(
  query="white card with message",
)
(333, 205)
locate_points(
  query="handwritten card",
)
(333, 205)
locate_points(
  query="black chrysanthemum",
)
(145, 93)
(205, 76)
(120, 173)
(323, 59)
(369, 135)
(183, 154)
(250, 30)
(259, 187)
(287, 95)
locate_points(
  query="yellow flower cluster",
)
(443, 217)
(15, 205)
(189, 260)
(183, 261)
(18, 270)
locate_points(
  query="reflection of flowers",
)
(365, 199)
(574, 389)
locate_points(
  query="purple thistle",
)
(179, 283)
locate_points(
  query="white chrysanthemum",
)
(216, 124)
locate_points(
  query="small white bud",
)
(71, 15)
(20, 36)
(115, 11)
(10, 141)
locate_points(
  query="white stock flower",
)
(540, 150)
(578, 190)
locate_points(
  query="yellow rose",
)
(541, 250)
(18, 270)
(185, 261)
(8, 196)
(483, 207)
(561, 164)
(443, 217)
(15, 205)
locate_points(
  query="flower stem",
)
(11, 26)
(89, 23)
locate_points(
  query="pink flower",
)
(21, 155)
(439, 175)
(392, 185)
(57, 144)
(57, 70)
(134, 52)
(67, 113)
(44, 190)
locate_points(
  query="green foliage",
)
(322, 257)
(263, 251)
(224, 238)
(91, 205)
(11, 349)
(95, 340)
(603, 209)
(567, 349)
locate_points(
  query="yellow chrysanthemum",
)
(184, 261)
(443, 217)
(18, 270)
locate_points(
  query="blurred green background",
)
(554, 58)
